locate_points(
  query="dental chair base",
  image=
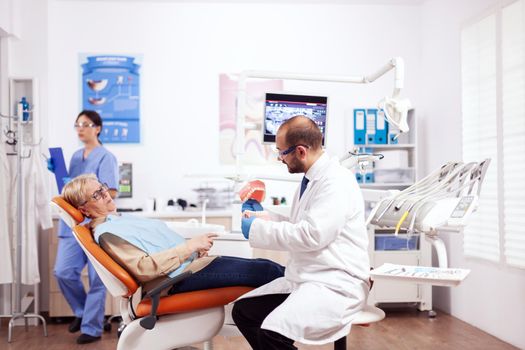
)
(173, 331)
(153, 321)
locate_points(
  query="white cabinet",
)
(397, 170)
(396, 292)
(392, 291)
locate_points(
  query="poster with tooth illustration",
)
(111, 86)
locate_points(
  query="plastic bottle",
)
(25, 109)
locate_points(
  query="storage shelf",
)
(387, 146)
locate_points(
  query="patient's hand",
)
(258, 214)
(202, 243)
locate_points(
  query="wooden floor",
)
(404, 328)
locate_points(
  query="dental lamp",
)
(396, 108)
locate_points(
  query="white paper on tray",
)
(420, 274)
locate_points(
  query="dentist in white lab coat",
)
(326, 280)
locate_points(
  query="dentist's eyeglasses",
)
(281, 154)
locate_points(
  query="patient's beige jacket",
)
(149, 269)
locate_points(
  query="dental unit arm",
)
(444, 200)
(362, 161)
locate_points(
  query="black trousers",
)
(249, 315)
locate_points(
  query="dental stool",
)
(369, 314)
(152, 321)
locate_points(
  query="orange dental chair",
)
(152, 321)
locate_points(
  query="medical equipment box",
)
(392, 242)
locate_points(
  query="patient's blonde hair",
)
(74, 192)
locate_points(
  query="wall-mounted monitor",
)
(281, 107)
(125, 184)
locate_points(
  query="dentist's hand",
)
(201, 243)
(257, 214)
(246, 223)
(252, 205)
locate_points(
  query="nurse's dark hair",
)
(93, 116)
(301, 130)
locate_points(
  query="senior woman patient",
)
(150, 251)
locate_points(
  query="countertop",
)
(183, 213)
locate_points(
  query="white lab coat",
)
(6, 265)
(36, 210)
(328, 270)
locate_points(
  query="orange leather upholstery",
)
(86, 238)
(68, 208)
(189, 301)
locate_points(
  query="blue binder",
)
(60, 167)
(359, 126)
(393, 133)
(381, 133)
(371, 115)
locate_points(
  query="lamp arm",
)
(396, 63)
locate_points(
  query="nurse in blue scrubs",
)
(88, 307)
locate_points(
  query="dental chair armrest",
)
(148, 322)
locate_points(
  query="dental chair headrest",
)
(71, 215)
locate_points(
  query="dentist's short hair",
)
(75, 192)
(301, 130)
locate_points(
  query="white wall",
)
(6, 17)
(492, 297)
(186, 46)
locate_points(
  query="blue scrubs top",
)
(100, 162)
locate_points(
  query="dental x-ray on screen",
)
(281, 107)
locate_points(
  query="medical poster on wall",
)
(111, 86)
(255, 152)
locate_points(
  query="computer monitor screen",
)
(281, 107)
(125, 185)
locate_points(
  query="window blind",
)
(513, 107)
(479, 131)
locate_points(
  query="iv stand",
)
(18, 313)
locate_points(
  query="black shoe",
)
(86, 338)
(75, 325)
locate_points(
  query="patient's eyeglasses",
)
(98, 193)
(84, 125)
